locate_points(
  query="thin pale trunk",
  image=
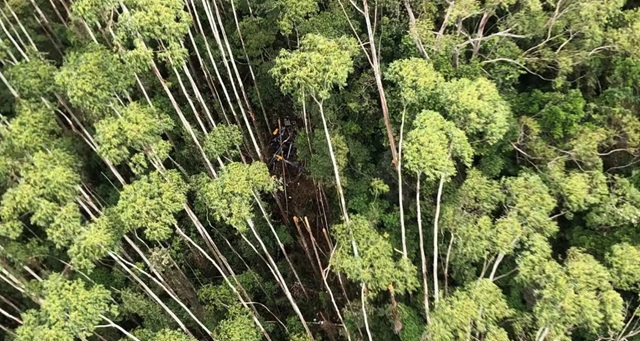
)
(172, 295)
(284, 252)
(342, 200)
(149, 264)
(184, 121)
(305, 246)
(324, 279)
(8, 315)
(188, 97)
(9, 53)
(279, 276)
(495, 265)
(11, 304)
(253, 76)
(400, 195)
(15, 32)
(207, 77)
(90, 141)
(24, 31)
(435, 239)
(480, 34)
(122, 330)
(445, 22)
(216, 34)
(446, 265)
(413, 30)
(423, 258)
(307, 126)
(336, 172)
(55, 9)
(13, 41)
(214, 64)
(378, 77)
(542, 333)
(233, 288)
(6, 83)
(151, 293)
(46, 22)
(364, 311)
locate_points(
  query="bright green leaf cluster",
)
(95, 241)
(577, 295)
(223, 139)
(69, 309)
(316, 67)
(139, 127)
(151, 203)
(46, 186)
(238, 326)
(91, 77)
(156, 20)
(375, 265)
(33, 79)
(476, 107)
(477, 309)
(432, 144)
(229, 198)
(624, 266)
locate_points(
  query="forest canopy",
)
(414, 170)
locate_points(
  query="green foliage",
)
(530, 203)
(319, 162)
(66, 225)
(162, 335)
(581, 190)
(162, 20)
(293, 12)
(478, 308)
(154, 317)
(259, 34)
(558, 113)
(93, 11)
(238, 326)
(412, 325)
(417, 80)
(624, 268)
(90, 77)
(99, 238)
(32, 79)
(138, 127)
(316, 67)
(69, 309)
(578, 295)
(375, 265)
(476, 107)
(223, 139)
(33, 129)
(229, 198)
(151, 203)
(619, 208)
(527, 109)
(46, 184)
(430, 147)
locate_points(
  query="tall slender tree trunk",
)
(403, 231)
(375, 64)
(423, 258)
(435, 239)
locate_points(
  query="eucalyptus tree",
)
(313, 71)
(431, 148)
(68, 309)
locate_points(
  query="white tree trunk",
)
(435, 239)
(423, 258)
